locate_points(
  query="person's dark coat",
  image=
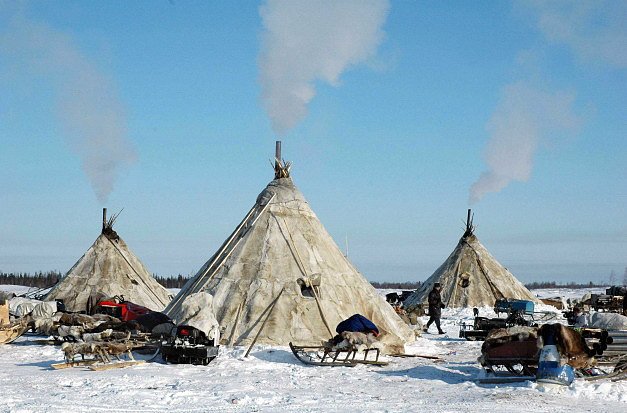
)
(435, 303)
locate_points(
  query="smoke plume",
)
(594, 30)
(306, 41)
(524, 116)
(91, 117)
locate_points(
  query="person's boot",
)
(441, 332)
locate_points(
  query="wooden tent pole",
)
(239, 310)
(214, 259)
(324, 319)
(271, 307)
(302, 269)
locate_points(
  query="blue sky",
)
(386, 156)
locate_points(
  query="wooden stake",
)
(271, 307)
(324, 319)
(239, 310)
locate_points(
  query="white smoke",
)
(89, 111)
(524, 116)
(305, 41)
(594, 29)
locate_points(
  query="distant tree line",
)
(171, 281)
(390, 285)
(38, 280)
(49, 278)
(552, 284)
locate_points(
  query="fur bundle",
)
(571, 345)
(353, 340)
(86, 321)
(101, 350)
(74, 332)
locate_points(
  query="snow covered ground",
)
(272, 380)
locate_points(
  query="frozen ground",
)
(272, 380)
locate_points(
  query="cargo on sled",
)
(10, 331)
(553, 354)
(98, 355)
(355, 343)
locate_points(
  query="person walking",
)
(435, 308)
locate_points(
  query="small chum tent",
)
(471, 277)
(280, 264)
(107, 269)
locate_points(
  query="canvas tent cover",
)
(471, 277)
(282, 246)
(109, 268)
(197, 311)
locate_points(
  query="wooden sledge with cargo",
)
(326, 356)
(513, 354)
(10, 331)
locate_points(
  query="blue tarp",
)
(359, 323)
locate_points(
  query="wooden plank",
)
(4, 314)
(115, 365)
(232, 336)
(81, 363)
(418, 356)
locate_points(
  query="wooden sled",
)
(618, 373)
(512, 359)
(323, 356)
(106, 356)
(96, 365)
(11, 332)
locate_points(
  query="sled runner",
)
(78, 363)
(505, 379)
(324, 356)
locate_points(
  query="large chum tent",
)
(470, 277)
(281, 265)
(109, 269)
